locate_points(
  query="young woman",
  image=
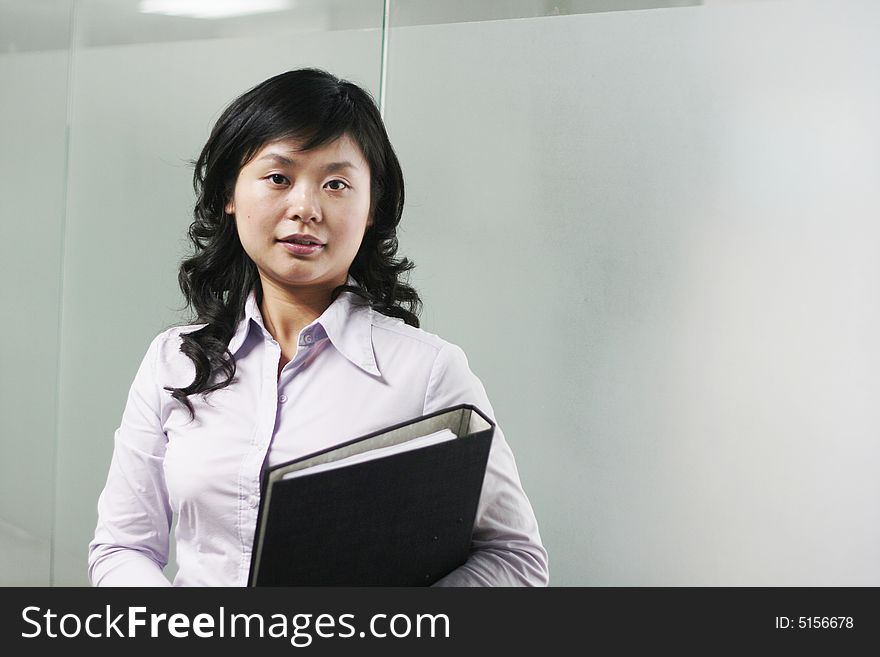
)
(306, 337)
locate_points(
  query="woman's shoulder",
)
(450, 379)
(175, 333)
(396, 330)
(393, 334)
(166, 345)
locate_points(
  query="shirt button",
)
(282, 398)
(309, 338)
(252, 501)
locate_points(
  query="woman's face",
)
(301, 216)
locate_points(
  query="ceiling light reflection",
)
(212, 8)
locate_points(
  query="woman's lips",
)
(301, 249)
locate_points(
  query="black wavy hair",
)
(315, 108)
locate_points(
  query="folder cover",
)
(400, 519)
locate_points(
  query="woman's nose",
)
(304, 205)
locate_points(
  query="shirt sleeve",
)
(506, 546)
(130, 547)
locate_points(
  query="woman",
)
(306, 337)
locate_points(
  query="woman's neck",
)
(286, 312)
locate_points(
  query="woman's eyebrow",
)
(281, 159)
(338, 166)
(327, 168)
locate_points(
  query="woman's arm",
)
(130, 547)
(506, 548)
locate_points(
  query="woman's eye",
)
(341, 184)
(278, 179)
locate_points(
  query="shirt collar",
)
(347, 322)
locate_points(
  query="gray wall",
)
(653, 232)
(32, 174)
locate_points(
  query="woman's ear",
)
(230, 207)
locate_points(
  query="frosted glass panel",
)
(120, 22)
(35, 26)
(431, 12)
(32, 133)
(655, 234)
(140, 112)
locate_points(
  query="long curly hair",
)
(315, 108)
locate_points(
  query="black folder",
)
(403, 519)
